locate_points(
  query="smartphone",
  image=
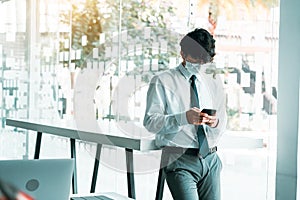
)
(209, 111)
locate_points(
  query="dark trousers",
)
(190, 177)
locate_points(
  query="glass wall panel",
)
(14, 75)
(92, 60)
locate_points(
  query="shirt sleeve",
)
(156, 120)
(220, 103)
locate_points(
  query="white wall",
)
(288, 100)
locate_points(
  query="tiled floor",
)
(247, 174)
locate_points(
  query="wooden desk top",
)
(104, 132)
(124, 134)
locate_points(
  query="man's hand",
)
(196, 117)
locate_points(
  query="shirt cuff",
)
(181, 118)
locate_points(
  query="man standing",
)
(187, 133)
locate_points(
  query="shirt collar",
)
(184, 72)
(187, 74)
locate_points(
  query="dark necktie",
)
(203, 144)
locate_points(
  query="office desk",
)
(111, 135)
(102, 134)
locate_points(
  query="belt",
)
(187, 151)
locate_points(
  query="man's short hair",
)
(199, 44)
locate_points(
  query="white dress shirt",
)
(168, 99)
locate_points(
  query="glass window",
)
(52, 51)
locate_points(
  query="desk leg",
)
(38, 145)
(130, 173)
(73, 155)
(160, 185)
(161, 179)
(96, 166)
